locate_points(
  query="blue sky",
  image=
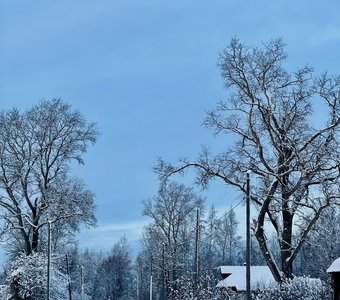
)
(146, 72)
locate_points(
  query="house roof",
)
(335, 266)
(260, 277)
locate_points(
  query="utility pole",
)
(163, 266)
(69, 277)
(82, 281)
(248, 237)
(197, 245)
(151, 280)
(137, 286)
(196, 272)
(48, 260)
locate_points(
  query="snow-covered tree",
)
(142, 274)
(26, 278)
(286, 131)
(83, 270)
(209, 252)
(114, 274)
(36, 149)
(170, 237)
(228, 240)
(322, 246)
(220, 243)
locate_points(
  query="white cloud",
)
(105, 236)
(136, 225)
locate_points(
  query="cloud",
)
(105, 236)
(136, 225)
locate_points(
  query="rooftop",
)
(260, 277)
(335, 266)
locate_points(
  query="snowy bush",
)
(5, 292)
(188, 289)
(27, 278)
(299, 288)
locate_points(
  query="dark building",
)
(334, 270)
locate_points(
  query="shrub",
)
(298, 288)
(203, 289)
(26, 278)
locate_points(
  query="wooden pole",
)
(82, 281)
(151, 280)
(248, 237)
(48, 261)
(69, 278)
(197, 246)
(163, 266)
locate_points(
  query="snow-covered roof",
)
(229, 269)
(260, 277)
(335, 266)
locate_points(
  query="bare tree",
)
(115, 273)
(36, 150)
(228, 240)
(173, 212)
(220, 243)
(209, 253)
(294, 158)
(322, 246)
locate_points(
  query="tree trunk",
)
(15, 289)
(35, 235)
(35, 239)
(286, 245)
(269, 260)
(287, 217)
(26, 238)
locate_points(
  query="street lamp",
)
(248, 236)
(151, 279)
(48, 260)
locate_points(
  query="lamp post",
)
(48, 260)
(197, 247)
(151, 279)
(82, 281)
(137, 286)
(69, 278)
(248, 236)
(163, 267)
